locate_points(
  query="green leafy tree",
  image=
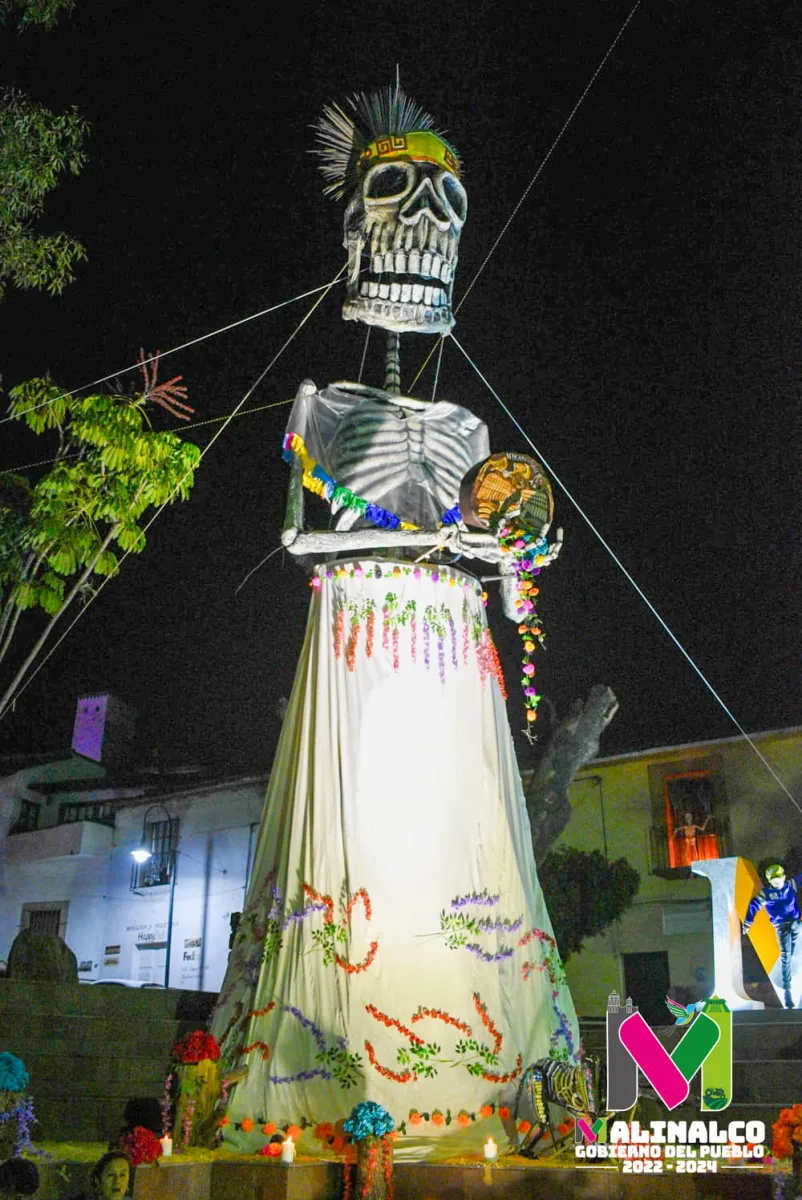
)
(33, 12)
(59, 535)
(585, 892)
(36, 147)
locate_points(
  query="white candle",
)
(288, 1150)
(166, 1145)
(491, 1150)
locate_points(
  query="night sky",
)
(641, 317)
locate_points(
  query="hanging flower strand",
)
(529, 554)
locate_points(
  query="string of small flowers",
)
(528, 554)
(391, 1023)
(555, 972)
(438, 1015)
(484, 1017)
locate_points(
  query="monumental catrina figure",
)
(395, 945)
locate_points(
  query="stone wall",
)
(97, 1056)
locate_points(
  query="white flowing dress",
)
(395, 945)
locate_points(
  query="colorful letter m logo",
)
(632, 1046)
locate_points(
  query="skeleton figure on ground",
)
(402, 228)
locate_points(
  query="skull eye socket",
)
(455, 195)
(389, 181)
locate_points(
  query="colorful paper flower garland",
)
(528, 551)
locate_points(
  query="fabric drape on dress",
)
(395, 944)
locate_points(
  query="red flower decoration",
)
(294, 1132)
(504, 1113)
(324, 1131)
(141, 1145)
(464, 1119)
(271, 1150)
(246, 1125)
(415, 1118)
(195, 1047)
(438, 1118)
(269, 1129)
(524, 1126)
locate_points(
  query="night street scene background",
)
(641, 318)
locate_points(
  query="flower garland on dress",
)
(556, 976)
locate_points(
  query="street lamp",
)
(142, 853)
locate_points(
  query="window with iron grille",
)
(28, 819)
(157, 870)
(99, 811)
(45, 918)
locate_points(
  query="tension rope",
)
(324, 292)
(324, 287)
(535, 177)
(553, 475)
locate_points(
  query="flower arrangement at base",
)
(16, 1108)
(196, 1047)
(141, 1145)
(787, 1145)
(370, 1127)
(199, 1088)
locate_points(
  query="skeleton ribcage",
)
(409, 463)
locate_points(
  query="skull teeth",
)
(430, 266)
(415, 293)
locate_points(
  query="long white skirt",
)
(395, 945)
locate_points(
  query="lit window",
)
(690, 818)
(157, 869)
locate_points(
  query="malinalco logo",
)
(633, 1047)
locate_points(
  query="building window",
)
(161, 837)
(28, 819)
(99, 811)
(691, 829)
(45, 918)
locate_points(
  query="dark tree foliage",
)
(33, 12)
(585, 892)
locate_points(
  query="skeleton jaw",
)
(407, 288)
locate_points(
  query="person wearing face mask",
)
(780, 898)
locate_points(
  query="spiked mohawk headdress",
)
(376, 126)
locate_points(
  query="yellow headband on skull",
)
(420, 147)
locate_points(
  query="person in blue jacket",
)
(780, 898)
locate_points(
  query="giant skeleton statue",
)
(395, 945)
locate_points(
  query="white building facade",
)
(67, 830)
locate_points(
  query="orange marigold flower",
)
(273, 1149)
(324, 1130)
(524, 1126)
(268, 1129)
(415, 1118)
(438, 1118)
(294, 1132)
(246, 1124)
(486, 1111)
(563, 1129)
(504, 1113)
(464, 1118)
(338, 1145)
(224, 1121)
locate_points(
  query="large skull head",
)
(402, 231)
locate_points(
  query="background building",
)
(67, 828)
(662, 809)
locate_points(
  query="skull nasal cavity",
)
(425, 199)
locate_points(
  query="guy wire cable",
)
(25, 682)
(324, 287)
(629, 577)
(537, 174)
